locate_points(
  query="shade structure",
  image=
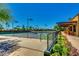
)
(66, 24)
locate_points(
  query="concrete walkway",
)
(28, 46)
(73, 39)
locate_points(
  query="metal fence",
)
(49, 36)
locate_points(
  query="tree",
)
(5, 15)
(17, 28)
(23, 27)
(56, 27)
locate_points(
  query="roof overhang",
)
(66, 24)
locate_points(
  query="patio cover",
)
(66, 24)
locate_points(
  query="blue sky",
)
(43, 13)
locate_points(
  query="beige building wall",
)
(75, 18)
(77, 26)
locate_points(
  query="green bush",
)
(57, 48)
(64, 51)
(60, 48)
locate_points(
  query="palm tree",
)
(17, 27)
(56, 27)
(5, 16)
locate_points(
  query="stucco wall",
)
(77, 27)
(75, 18)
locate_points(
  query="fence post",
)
(47, 41)
(40, 36)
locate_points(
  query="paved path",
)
(73, 39)
(28, 46)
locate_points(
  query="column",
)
(72, 28)
(77, 27)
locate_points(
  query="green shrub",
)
(64, 51)
(60, 48)
(57, 48)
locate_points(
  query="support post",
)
(40, 37)
(47, 41)
(77, 27)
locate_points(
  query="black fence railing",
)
(49, 36)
